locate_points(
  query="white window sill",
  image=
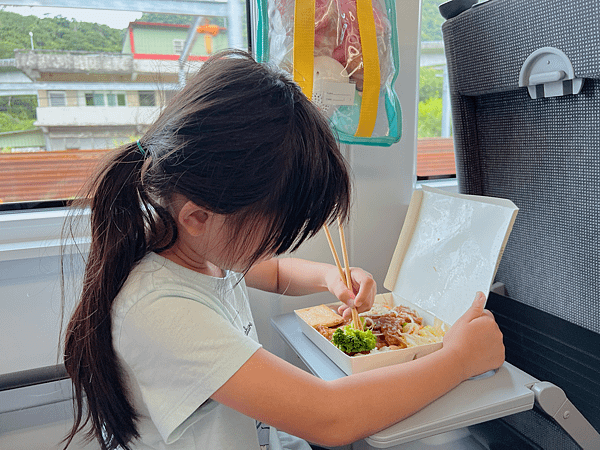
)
(35, 234)
(446, 184)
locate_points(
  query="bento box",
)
(449, 248)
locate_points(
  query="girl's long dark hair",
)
(239, 140)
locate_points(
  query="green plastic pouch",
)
(344, 56)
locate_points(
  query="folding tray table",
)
(489, 396)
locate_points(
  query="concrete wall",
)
(72, 62)
(95, 116)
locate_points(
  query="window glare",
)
(83, 82)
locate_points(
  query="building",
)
(100, 100)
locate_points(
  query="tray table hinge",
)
(548, 72)
(552, 400)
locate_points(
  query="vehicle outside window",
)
(76, 83)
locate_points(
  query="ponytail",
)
(240, 140)
(122, 216)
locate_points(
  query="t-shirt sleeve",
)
(180, 352)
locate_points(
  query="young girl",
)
(239, 168)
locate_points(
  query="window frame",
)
(105, 96)
(434, 148)
(147, 94)
(56, 94)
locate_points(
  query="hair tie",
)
(142, 151)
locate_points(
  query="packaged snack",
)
(344, 56)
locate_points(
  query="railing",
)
(73, 61)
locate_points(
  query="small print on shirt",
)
(263, 435)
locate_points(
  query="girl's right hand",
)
(476, 340)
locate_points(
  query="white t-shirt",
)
(179, 336)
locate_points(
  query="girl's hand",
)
(476, 340)
(363, 291)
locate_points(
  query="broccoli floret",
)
(351, 340)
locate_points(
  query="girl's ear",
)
(193, 218)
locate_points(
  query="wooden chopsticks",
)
(345, 276)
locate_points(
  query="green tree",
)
(431, 20)
(19, 105)
(430, 78)
(431, 81)
(17, 112)
(56, 33)
(430, 118)
(430, 102)
(9, 122)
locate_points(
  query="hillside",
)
(56, 33)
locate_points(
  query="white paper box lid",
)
(449, 248)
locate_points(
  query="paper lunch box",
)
(449, 248)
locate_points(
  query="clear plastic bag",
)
(344, 55)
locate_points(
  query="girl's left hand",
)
(363, 291)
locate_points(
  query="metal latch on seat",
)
(552, 400)
(548, 72)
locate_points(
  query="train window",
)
(61, 69)
(435, 149)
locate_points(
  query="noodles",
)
(395, 328)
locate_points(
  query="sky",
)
(114, 19)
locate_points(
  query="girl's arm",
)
(293, 276)
(338, 412)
